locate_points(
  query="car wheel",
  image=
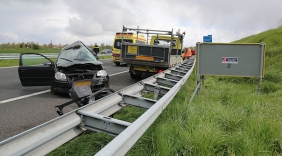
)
(117, 63)
(53, 90)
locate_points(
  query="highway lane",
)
(23, 114)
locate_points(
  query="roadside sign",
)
(207, 38)
(231, 59)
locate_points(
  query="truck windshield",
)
(118, 43)
(165, 42)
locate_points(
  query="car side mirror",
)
(50, 64)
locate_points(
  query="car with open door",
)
(75, 65)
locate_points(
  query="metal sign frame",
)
(230, 59)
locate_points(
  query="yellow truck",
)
(129, 37)
(162, 52)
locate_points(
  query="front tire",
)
(117, 63)
(53, 90)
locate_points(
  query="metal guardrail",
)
(17, 56)
(44, 138)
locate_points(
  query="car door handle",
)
(22, 70)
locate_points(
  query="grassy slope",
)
(226, 118)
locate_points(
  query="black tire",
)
(135, 76)
(117, 63)
(53, 90)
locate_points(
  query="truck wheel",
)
(117, 63)
(135, 76)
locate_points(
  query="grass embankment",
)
(226, 118)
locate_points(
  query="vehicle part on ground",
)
(44, 138)
(82, 95)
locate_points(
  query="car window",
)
(33, 59)
(76, 54)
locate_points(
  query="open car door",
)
(35, 70)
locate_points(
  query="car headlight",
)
(102, 73)
(60, 76)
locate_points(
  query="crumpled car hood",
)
(80, 63)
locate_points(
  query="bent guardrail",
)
(44, 138)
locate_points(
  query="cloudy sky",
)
(66, 21)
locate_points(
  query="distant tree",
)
(108, 46)
(102, 46)
(13, 45)
(60, 46)
(35, 46)
(105, 46)
(18, 45)
(22, 45)
(45, 46)
(50, 45)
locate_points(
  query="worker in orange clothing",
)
(187, 53)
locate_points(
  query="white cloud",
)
(66, 21)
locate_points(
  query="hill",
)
(273, 56)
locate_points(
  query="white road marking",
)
(119, 73)
(42, 92)
(25, 96)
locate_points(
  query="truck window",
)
(165, 42)
(118, 43)
(140, 42)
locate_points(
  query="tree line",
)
(37, 46)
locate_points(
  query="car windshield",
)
(75, 54)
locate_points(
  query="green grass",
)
(8, 63)
(105, 57)
(227, 117)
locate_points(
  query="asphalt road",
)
(20, 112)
